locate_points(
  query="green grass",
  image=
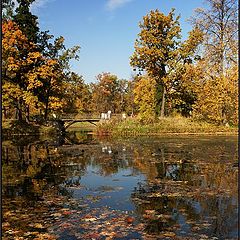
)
(81, 126)
(169, 125)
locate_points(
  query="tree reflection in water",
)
(190, 186)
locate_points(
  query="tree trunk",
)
(46, 106)
(19, 114)
(27, 114)
(163, 103)
(4, 113)
(46, 112)
(224, 117)
(16, 113)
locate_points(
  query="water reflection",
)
(175, 186)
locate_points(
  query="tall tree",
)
(18, 82)
(31, 79)
(54, 75)
(158, 50)
(157, 42)
(7, 9)
(220, 60)
(219, 23)
(27, 22)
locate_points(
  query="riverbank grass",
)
(86, 126)
(168, 125)
(15, 127)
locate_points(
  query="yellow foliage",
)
(217, 96)
(145, 97)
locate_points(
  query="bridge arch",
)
(67, 124)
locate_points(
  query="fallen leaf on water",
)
(46, 236)
(169, 234)
(56, 214)
(38, 225)
(90, 219)
(129, 220)
(67, 212)
(150, 211)
(6, 224)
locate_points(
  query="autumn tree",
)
(104, 93)
(213, 95)
(219, 23)
(112, 93)
(127, 104)
(55, 74)
(16, 69)
(156, 44)
(77, 95)
(30, 80)
(144, 98)
(35, 67)
(158, 51)
(217, 88)
(20, 32)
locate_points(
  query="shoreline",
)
(168, 134)
(117, 130)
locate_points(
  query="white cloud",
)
(113, 4)
(38, 4)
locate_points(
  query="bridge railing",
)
(79, 116)
(86, 116)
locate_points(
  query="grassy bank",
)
(84, 126)
(177, 125)
(13, 127)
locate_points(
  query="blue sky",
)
(105, 29)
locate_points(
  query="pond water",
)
(81, 187)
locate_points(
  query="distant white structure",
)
(106, 116)
(104, 149)
(54, 115)
(109, 114)
(124, 116)
(109, 150)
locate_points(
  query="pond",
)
(82, 187)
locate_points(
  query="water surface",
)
(143, 188)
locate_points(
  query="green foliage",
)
(27, 22)
(7, 9)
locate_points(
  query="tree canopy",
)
(196, 77)
(160, 53)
